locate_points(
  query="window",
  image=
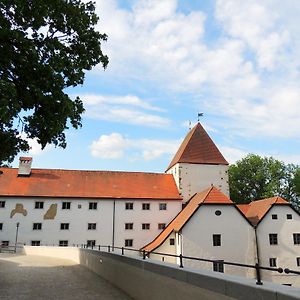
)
(129, 243)
(1, 226)
(35, 243)
(64, 226)
(218, 266)
(93, 205)
(146, 206)
(145, 226)
(296, 237)
(129, 205)
(274, 217)
(90, 243)
(172, 242)
(128, 226)
(66, 205)
(216, 239)
(63, 243)
(289, 216)
(273, 239)
(218, 213)
(92, 226)
(162, 206)
(298, 261)
(273, 262)
(37, 226)
(79, 206)
(5, 243)
(2, 204)
(39, 205)
(161, 225)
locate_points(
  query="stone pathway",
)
(37, 277)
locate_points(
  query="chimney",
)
(25, 166)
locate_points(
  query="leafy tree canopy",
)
(255, 177)
(45, 47)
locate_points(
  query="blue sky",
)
(236, 61)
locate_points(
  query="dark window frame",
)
(146, 226)
(1, 226)
(161, 226)
(2, 204)
(128, 243)
(274, 217)
(273, 262)
(273, 238)
(35, 243)
(37, 226)
(92, 226)
(64, 226)
(128, 205)
(172, 241)
(66, 205)
(63, 243)
(296, 238)
(289, 216)
(128, 226)
(39, 204)
(146, 206)
(217, 240)
(93, 205)
(218, 266)
(163, 206)
(298, 261)
(91, 243)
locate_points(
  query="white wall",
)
(285, 252)
(79, 219)
(237, 239)
(193, 178)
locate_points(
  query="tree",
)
(254, 177)
(45, 47)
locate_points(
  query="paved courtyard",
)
(37, 277)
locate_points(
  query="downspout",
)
(256, 244)
(113, 224)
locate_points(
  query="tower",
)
(198, 164)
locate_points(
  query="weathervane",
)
(200, 115)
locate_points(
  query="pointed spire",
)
(198, 148)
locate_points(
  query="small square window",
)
(218, 266)
(93, 205)
(216, 239)
(37, 226)
(273, 239)
(274, 217)
(1, 226)
(79, 206)
(289, 216)
(64, 226)
(39, 205)
(91, 243)
(172, 242)
(129, 243)
(161, 226)
(35, 243)
(146, 206)
(2, 204)
(66, 205)
(146, 226)
(63, 243)
(296, 237)
(298, 261)
(129, 205)
(273, 262)
(92, 226)
(128, 226)
(5, 243)
(162, 206)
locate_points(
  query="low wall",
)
(147, 279)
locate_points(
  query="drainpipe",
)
(258, 273)
(113, 224)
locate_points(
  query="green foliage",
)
(45, 47)
(254, 177)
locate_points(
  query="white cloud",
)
(109, 146)
(34, 147)
(114, 146)
(124, 109)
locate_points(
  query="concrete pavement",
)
(37, 277)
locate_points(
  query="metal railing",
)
(181, 258)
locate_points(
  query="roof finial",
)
(200, 115)
(190, 125)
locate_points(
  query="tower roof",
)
(198, 148)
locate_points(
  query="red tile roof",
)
(198, 148)
(88, 184)
(209, 196)
(256, 210)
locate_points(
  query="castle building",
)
(185, 210)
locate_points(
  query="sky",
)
(236, 61)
